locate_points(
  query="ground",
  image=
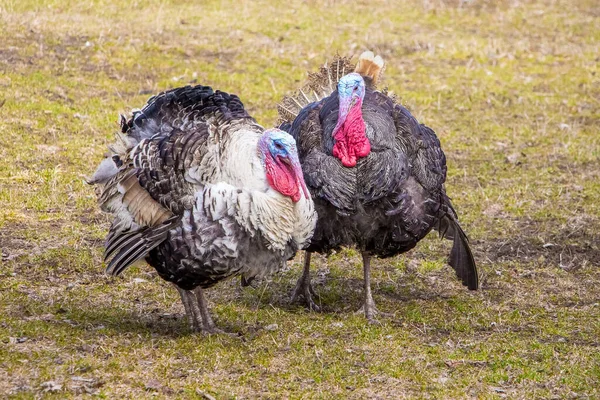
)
(512, 89)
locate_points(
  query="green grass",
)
(511, 88)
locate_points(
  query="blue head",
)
(279, 143)
(351, 88)
(351, 92)
(282, 166)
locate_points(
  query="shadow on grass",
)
(115, 320)
(342, 295)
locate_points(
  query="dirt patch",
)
(14, 243)
(18, 240)
(567, 256)
(569, 245)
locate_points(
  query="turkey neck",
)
(351, 142)
(282, 177)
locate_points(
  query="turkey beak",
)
(294, 162)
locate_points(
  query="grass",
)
(513, 91)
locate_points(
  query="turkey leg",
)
(369, 305)
(208, 325)
(303, 286)
(191, 308)
(196, 309)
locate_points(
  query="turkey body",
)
(190, 186)
(389, 199)
(379, 205)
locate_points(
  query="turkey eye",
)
(278, 146)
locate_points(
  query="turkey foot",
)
(208, 325)
(196, 309)
(370, 311)
(191, 308)
(304, 288)
(369, 304)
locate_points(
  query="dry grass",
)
(512, 88)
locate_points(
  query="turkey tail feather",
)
(318, 86)
(324, 82)
(461, 257)
(370, 66)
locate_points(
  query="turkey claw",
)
(304, 289)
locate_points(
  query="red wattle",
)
(283, 179)
(351, 142)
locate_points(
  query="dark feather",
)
(115, 241)
(137, 245)
(461, 258)
(393, 197)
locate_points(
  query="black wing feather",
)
(139, 245)
(171, 133)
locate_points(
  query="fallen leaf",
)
(204, 395)
(82, 379)
(49, 149)
(493, 210)
(272, 327)
(51, 386)
(8, 257)
(564, 127)
(514, 158)
(153, 384)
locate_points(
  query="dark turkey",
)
(203, 193)
(376, 175)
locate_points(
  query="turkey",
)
(203, 193)
(376, 175)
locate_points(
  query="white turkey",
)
(203, 193)
(376, 175)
